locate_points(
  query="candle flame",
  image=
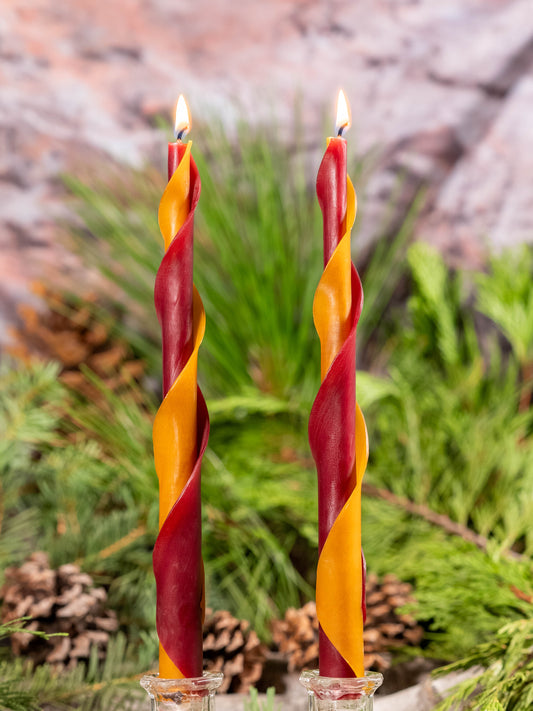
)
(344, 120)
(183, 120)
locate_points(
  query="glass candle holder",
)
(197, 694)
(334, 694)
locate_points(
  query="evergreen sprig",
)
(28, 422)
(91, 687)
(504, 294)
(462, 594)
(449, 431)
(19, 625)
(506, 684)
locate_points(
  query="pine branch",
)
(441, 520)
(19, 625)
(94, 686)
(506, 681)
(117, 545)
(90, 690)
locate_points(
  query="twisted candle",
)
(181, 429)
(337, 430)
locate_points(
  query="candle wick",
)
(179, 134)
(340, 131)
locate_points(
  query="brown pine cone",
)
(296, 636)
(385, 628)
(231, 647)
(62, 600)
(71, 335)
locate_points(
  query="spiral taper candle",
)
(337, 430)
(181, 429)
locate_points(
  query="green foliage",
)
(506, 684)
(449, 433)
(97, 474)
(505, 296)
(383, 273)
(19, 625)
(254, 270)
(120, 240)
(91, 687)
(462, 593)
(442, 330)
(254, 528)
(257, 262)
(253, 211)
(13, 695)
(28, 422)
(58, 484)
(254, 703)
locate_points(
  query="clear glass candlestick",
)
(334, 694)
(197, 694)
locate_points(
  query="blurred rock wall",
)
(441, 95)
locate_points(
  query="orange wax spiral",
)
(339, 443)
(180, 434)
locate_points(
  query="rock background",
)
(441, 94)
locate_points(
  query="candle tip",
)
(344, 120)
(182, 125)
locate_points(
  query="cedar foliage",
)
(451, 433)
(507, 680)
(24, 687)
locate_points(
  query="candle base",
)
(197, 694)
(334, 694)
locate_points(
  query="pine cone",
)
(72, 336)
(297, 634)
(231, 647)
(62, 600)
(385, 629)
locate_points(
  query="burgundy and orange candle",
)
(337, 430)
(181, 426)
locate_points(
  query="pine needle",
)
(118, 545)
